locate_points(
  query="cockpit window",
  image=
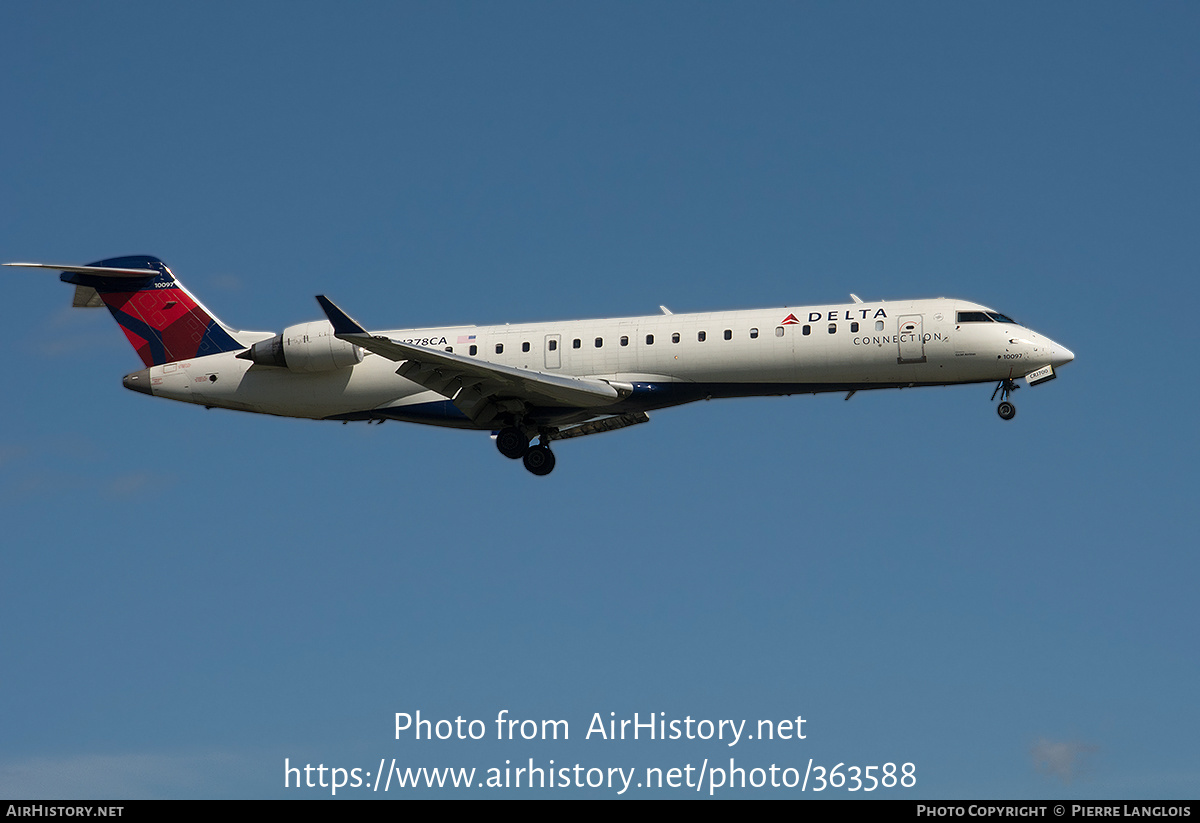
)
(984, 317)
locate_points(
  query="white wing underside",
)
(483, 391)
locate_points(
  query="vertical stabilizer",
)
(161, 318)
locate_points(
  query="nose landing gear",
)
(1006, 410)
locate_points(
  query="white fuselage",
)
(668, 359)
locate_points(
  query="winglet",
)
(342, 322)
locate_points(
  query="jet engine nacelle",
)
(305, 347)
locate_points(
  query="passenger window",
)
(878, 325)
(833, 328)
(753, 334)
(729, 334)
(524, 347)
(649, 340)
(779, 331)
(575, 343)
(624, 341)
(675, 337)
(499, 348)
(806, 330)
(599, 342)
(701, 336)
(553, 346)
(474, 350)
(854, 328)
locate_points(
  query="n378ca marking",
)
(549, 381)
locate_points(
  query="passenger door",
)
(911, 339)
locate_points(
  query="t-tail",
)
(161, 318)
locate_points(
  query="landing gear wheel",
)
(539, 460)
(512, 443)
(1006, 410)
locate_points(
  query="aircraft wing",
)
(481, 390)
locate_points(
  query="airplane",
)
(550, 381)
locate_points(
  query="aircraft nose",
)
(1062, 356)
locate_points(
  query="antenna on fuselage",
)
(665, 310)
(855, 297)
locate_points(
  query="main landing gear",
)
(513, 443)
(513, 440)
(1006, 409)
(539, 460)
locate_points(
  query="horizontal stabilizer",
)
(99, 271)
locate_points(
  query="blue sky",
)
(191, 597)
